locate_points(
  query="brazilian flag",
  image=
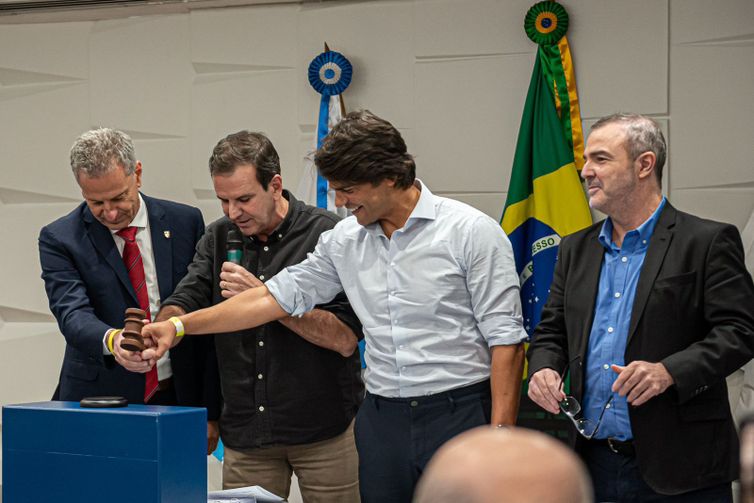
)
(546, 200)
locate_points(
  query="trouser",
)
(616, 478)
(396, 437)
(327, 471)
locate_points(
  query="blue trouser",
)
(396, 437)
(616, 478)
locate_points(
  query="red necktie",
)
(135, 268)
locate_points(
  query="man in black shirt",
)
(291, 388)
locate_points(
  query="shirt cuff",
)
(503, 331)
(278, 286)
(106, 351)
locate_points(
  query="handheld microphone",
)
(234, 247)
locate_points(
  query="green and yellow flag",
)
(546, 200)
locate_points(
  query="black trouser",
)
(396, 437)
(616, 478)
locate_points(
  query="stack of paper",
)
(251, 494)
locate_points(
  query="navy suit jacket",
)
(692, 312)
(89, 290)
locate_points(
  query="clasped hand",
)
(639, 381)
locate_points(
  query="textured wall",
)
(451, 74)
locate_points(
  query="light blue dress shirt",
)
(432, 299)
(619, 276)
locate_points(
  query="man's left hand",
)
(234, 279)
(640, 381)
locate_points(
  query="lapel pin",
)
(167, 234)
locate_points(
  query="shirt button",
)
(624, 259)
(261, 343)
(414, 403)
(261, 408)
(260, 376)
(606, 366)
(280, 236)
(261, 276)
(643, 241)
(617, 295)
(608, 406)
(266, 248)
(609, 330)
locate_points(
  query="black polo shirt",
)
(278, 388)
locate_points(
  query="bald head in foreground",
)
(491, 465)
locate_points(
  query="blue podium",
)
(58, 451)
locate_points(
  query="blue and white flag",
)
(329, 74)
(308, 185)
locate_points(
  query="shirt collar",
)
(282, 229)
(425, 206)
(141, 219)
(635, 239)
(423, 210)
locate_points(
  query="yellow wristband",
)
(111, 339)
(179, 331)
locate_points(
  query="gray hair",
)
(643, 134)
(96, 152)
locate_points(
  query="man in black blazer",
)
(650, 311)
(89, 287)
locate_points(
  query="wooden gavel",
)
(132, 340)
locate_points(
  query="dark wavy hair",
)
(363, 148)
(245, 147)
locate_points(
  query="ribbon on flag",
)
(329, 74)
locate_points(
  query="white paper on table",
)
(250, 494)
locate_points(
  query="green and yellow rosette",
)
(546, 23)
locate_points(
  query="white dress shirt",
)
(432, 299)
(144, 240)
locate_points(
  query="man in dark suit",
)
(650, 310)
(89, 286)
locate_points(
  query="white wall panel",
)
(712, 108)
(263, 36)
(732, 205)
(259, 101)
(377, 37)
(166, 170)
(31, 370)
(620, 52)
(141, 74)
(491, 203)
(35, 138)
(468, 112)
(695, 20)
(60, 49)
(464, 27)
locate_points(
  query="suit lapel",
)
(162, 247)
(102, 240)
(592, 258)
(658, 248)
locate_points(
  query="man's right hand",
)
(546, 390)
(129, 360)
(162, 334)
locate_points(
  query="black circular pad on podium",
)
(103, 402)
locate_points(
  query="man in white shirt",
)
(432, 281)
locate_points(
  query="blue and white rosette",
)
(329, 74)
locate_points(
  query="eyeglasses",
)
(571, 408)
